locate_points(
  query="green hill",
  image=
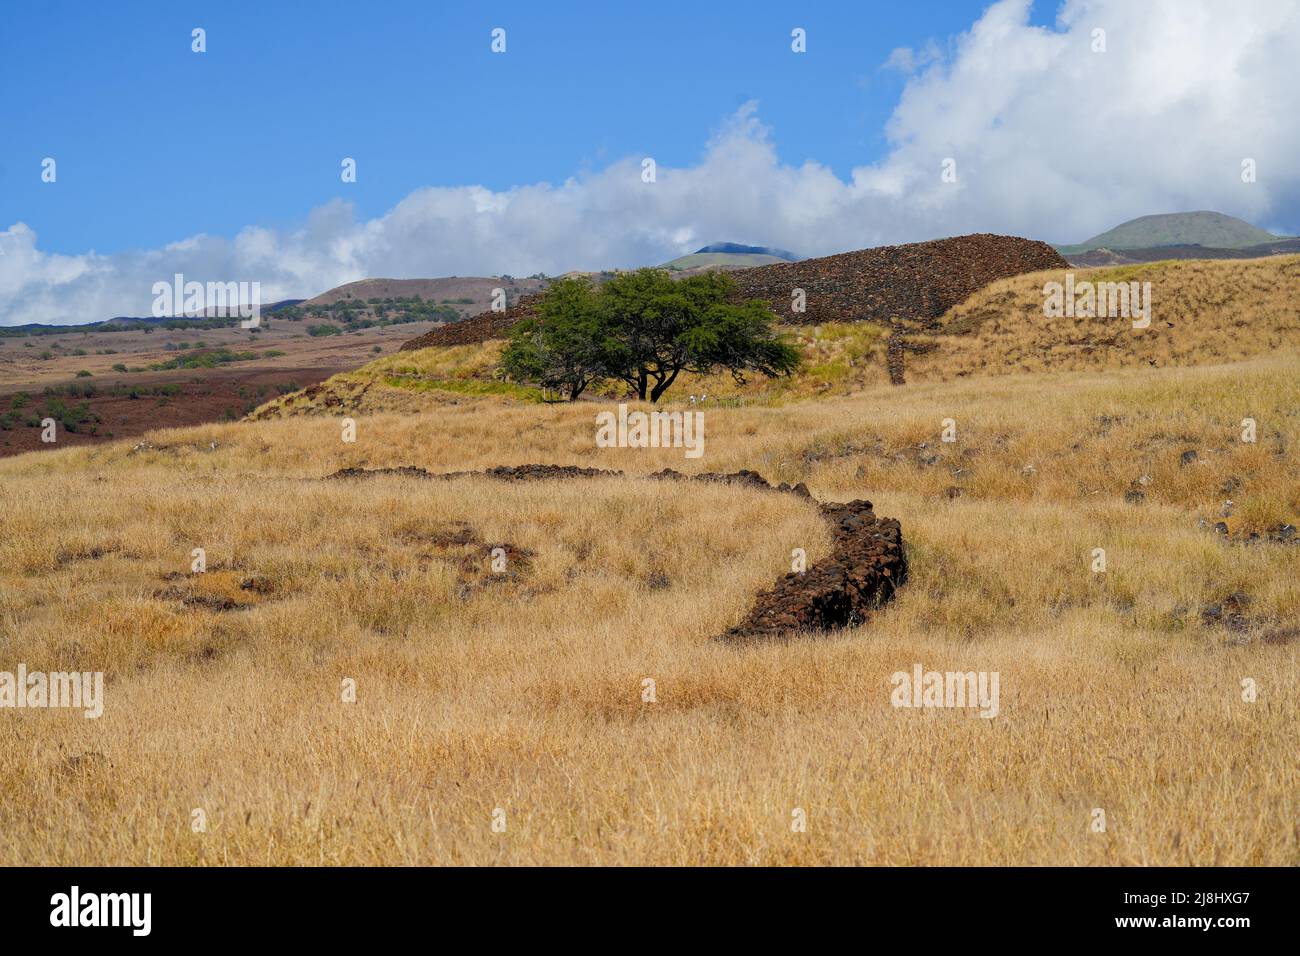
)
(1210, 229)
(722, 260)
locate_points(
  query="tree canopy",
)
(644, 328)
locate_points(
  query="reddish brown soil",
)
(286, 355)
(217, 395)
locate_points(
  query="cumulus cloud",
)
(1050, 139)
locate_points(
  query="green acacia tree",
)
(644, 328)
(562, 348)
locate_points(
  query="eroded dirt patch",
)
(217, 589)
(480, 563)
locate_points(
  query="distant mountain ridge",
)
(737, 248)
(131, 322)
(729, 255)
(1124, 257)
(462, 290)
(1213, 230)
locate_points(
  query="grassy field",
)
(519, 697)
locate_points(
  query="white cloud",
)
(1050, 139)
(905, 59)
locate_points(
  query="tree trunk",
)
(663, 385)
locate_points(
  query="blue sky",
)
(154, 142)
(225, 165)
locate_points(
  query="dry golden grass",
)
(1202, 311)
(524, 691)
(406, 382)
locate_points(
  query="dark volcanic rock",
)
(480, 328)
(919, 281)
(922, 280)
(501, 473)
(750, 479)
(1229, 613)
(866, 566)
(535, 473)
(405, 471)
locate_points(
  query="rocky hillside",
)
(919, 281)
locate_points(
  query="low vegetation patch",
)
(205, 358)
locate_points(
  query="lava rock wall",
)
(919, 281)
